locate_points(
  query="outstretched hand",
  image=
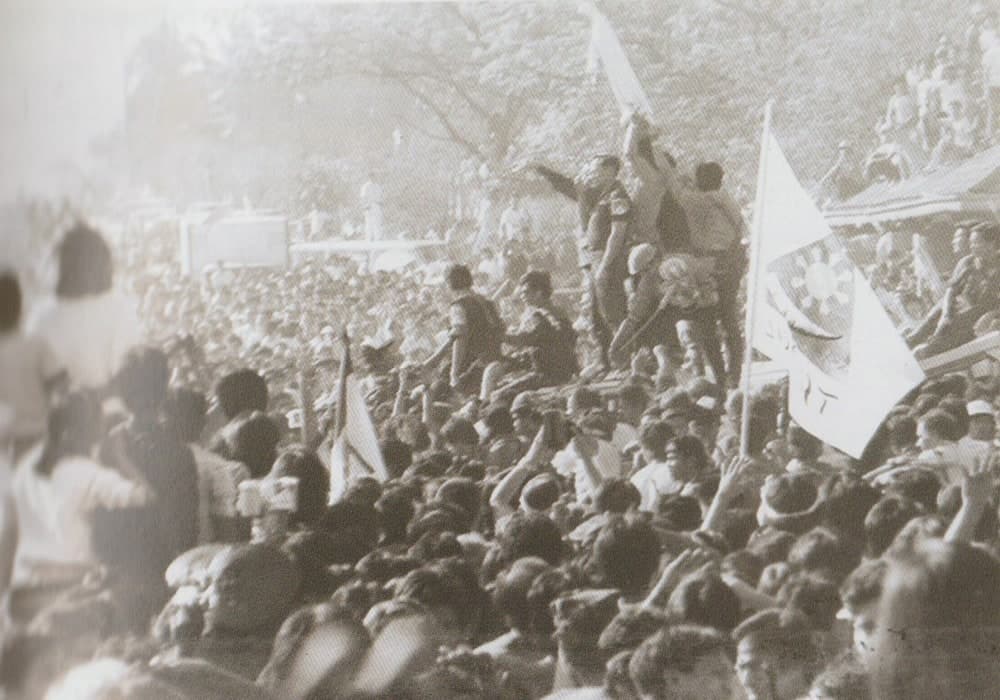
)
(977, 486)
(684, 564)
(732, 471)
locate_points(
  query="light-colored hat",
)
(979, 408)
(641, 257)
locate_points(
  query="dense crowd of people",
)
(942, 110)
(563, 507)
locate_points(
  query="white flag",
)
(606, 50)
(355, 450)
(817, 315)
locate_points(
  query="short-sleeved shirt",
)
(89, 335)
(714, 218)
(53, 512)
(26, 363)
(607, 462)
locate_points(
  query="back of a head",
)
(142, 380)
(654, 437)
(863, 586)
(683, 661)
(510, 595)
(459, 431)
(255, 587)
(540, 492)
(73, 427)
(499, 421)
(789, 493)
(394, 510)
(956, 407)
(678, 512)
(314, 482)
(947, 598)
(241, 391)
(770, 544)
(531, 535)
(708, 176)
(85, 264)
(704, 599)
(626, 554)
(902, 432)
(185, 411)
(805, 445)
(462, 492)
(815, 596)
(779, 632)
(254, 442)
(919, 485)
(538, 280)
(397, 455)
(616, 495)
(884, 521)
(10, 301)
(846, 500)
(822, 551)
(458, 277)
(940, 424)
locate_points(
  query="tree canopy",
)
(285, 102)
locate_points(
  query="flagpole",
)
(752, 280)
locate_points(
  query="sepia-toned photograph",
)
(499, 349)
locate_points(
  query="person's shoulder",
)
(40, 314)
(643, 475)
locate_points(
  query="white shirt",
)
(607, 462)
(653, 481)
(26, 363)
(89, 336)
(951, 460)
(624, 436)
(53, 512)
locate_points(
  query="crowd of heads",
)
(613, 538)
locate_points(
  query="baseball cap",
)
(979, 408)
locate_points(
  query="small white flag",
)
(607, 51)
(355, 451)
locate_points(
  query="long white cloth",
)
(356, 449)
(605, 50)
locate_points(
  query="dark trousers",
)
(730, 267)
(606, 300)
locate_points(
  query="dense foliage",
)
(294, 105)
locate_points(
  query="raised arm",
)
(502, 498)
(643, 163)
(560, 183)
(977, 490)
